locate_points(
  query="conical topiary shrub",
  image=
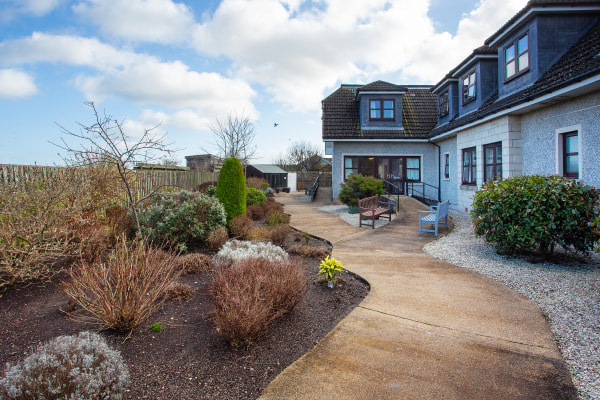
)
(231, 188)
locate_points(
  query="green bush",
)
(596, 225)
(358, 187)
(183, 219)
(68, 367)
(254, 197)
(231, 188)
(536, 213)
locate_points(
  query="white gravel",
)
(568, 294)
(352, 219)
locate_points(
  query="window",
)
(446, 166)
(492, 163)
(516, 58)
(443, 104)
(469, 172)
(468, 89)
(570, 155)
(381, 110)
(413, 168)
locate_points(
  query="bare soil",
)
(187, 359)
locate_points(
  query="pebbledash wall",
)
(425, 150)
(449, 186)
(541, 133)
(505, 129)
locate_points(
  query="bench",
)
(372, 208)
(433, 217)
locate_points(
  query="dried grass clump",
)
(252, 293)
(279, 234)
(256, 183)
(275, 217)
(259, 234)
(125, 289)
(68, 367)
(256, 213)
(308, 251)
(236, 250)
(217, 238)
(193, 263)
(178, 292)
(241, 227)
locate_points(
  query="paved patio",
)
(427, 330)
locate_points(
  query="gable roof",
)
(580, 62)
(341, 119)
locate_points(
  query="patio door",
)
(392, 170)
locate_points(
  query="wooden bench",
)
(371, 208)
(433, 217)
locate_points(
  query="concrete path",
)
(427, 330)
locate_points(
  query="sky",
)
(181, 65)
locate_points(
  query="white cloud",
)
(39, 7)
(301, 53)
(140, 78)
(16, 84)
(159, 21)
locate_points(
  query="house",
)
(526, 102)
(204, 163)
(275, 176)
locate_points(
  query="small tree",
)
(233, 137)
(105, 143)
(231, 188)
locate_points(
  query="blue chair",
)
(433, 217)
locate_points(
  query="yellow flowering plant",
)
(330, 267)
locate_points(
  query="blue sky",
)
(182, 64)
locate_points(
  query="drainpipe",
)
(439, 167)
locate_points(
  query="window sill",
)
(468, 186)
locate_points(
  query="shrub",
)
(193, 263)
(255, 213)
(235, 250)
(254, 197)
(256, 183)
(358, 187)
(44, 221)
(73, 367)
(330, 268)
(259, 234)
(252, 293)
(275, 217)
(119, 222)
(240, 227)
(279, 234)
(231, 188)
(308, 251)
(178, 292)
(535, 213)
(183, 219)
(597, 226)
(124, 290)
(217, 238)
(203, 186)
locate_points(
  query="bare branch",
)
(233, 137)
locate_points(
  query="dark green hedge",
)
(231, 188)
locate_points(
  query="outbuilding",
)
(275, 176)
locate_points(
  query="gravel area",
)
(567, 292)
(352, 219)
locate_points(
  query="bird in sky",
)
(275, 124)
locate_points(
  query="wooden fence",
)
(309, 178)
(145, 181)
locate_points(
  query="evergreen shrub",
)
(536, 213)
(254, 197)
(183, 219)
(231, 188)
(358, 187)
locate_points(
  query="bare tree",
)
(233, 137)
(304, 155)
(105, 143)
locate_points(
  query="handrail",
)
(398, 190)
(422, 193)
(312, 192)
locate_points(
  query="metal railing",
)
(392, 189)
(423, 192)
(311, 190)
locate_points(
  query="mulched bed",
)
(186, 360)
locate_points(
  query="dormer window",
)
(382, 110)
(468, 89)
(516, 57)
(443, 104)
